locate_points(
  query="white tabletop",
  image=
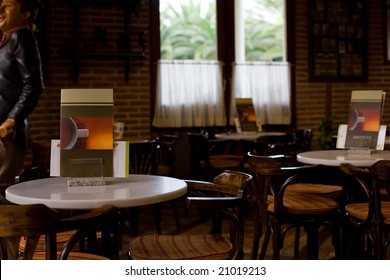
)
(336, 157)
(247, 135)
(136, 190)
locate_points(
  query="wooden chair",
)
(228, 201)
(209, 157)
(38, 223)
(29, 221)
(261, 146)
(62, 235)
(32, 173)
(303, 138)
(287, 197)
(367, 212)
(166, 164)
(143, 157)
(166, 154)
(144, 160)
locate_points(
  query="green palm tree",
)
(186, 34)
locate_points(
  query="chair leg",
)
(175, 214)
(276, 241)
(256, 238)
(296, 242)
(312, 241)
(132, 217)
(265, 243)
(157, 217)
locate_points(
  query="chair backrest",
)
(30, 222)
(167, 153)
(41, 153)
(303, 138)
(229, 184)
(272, 177)
(262, 145)
(143, 157)
(370, 181)
(103, 219)
(198, 152)
(32, 173)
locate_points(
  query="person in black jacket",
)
(21, 82)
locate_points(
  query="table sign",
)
(246, 115)
(86, 136)
(363, 134)
(120, 159)
(342, 135)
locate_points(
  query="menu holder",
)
(120, 158)
(246, 116)
(86, 131)
(364, 134)
(364, 120)
(86, 172)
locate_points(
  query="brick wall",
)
(132, 100)
(315, 99)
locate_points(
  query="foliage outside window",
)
(188, 33)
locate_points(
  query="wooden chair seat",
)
(368, 209)
(181, 247)
(72, 256)
(223, 203)
(224, 161)
(306, 205)
(163, 170)
(62, 237)
(332, 191)
(291, 197)
(360, 211)
(385, 195)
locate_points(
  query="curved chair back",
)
(143, 157)
(30, 222)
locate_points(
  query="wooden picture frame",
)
(338, 40)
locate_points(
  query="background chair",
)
(144, 160)
(261, 146)
(285, 198)
(209, 157)
(143, 157)
(303, 137)
(32, 173)
(29, 221)
(166, 154)
(368, 211)
(62, 235)
(229, 200)
(36, 226)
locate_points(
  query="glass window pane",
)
(259, 30)
(188, 29)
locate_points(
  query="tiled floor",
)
(190, 223)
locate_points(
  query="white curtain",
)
(189, 94)
(268, 84)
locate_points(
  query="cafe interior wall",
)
(313, 100)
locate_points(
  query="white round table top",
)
(247, 135)
(136, 190)
(336, 157)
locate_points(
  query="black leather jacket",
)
(21, 81)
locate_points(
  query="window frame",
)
(225, 48)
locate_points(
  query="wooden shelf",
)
(126, 56)
(129, 7)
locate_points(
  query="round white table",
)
(336, 157)
(247, 135)
(136, 190)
